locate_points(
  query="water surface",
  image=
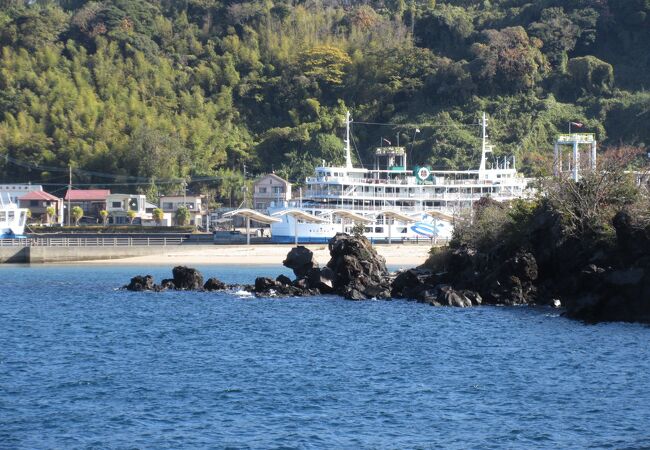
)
(83, 365)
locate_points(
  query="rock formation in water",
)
(184, 279)
(141, 283)
(355, 271)
(593, 281)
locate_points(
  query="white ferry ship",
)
(12, 219)
(393, 202)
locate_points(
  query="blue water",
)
(85, 366)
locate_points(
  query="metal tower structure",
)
(583, 146)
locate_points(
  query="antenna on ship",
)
(348, 156)
(485, 147)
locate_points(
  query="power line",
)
(135, 180)
(416, 125)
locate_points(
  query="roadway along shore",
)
(395, 254)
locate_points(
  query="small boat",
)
(12, 219)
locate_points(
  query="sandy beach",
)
(396, 255)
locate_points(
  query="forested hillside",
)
(157, 91)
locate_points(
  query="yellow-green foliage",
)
(159, 92)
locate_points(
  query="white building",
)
(119, 205)
(196, 205)
(15, 191)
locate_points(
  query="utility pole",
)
(69, 191)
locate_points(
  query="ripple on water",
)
(85, 365)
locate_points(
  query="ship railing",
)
(412, 196)
(93, 242)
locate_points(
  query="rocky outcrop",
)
(214, 284)
(267, 287)
(355, 271)
(359, 273)
(301, 260)
(594, 280)
(187, 279)
(141, 283)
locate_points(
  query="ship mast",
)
(348, 155)
(485, 147)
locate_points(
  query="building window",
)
(116, 204)
(278, 190)
(168, 205)
(33, 203)
(262, 190)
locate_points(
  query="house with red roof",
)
(38, 203)
(90, 200)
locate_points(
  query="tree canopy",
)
(153, 94)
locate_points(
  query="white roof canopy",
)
(301, 215)
(352, 216)
(253, 215)
(440, 215)
(397, 216)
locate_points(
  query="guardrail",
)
(92, 242)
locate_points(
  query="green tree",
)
(591, 75)
(509, 60)
(104, 216)
(325, 64)
(158, 215)
(182, 216)
(77, 213)
(445, 29)
(558, 34)
(50, 214)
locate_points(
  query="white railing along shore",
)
(91, 242)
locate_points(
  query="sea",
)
(86, 365)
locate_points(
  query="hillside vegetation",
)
(147, 93)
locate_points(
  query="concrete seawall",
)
(38, 255)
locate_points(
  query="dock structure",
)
(582, 157)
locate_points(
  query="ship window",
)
(11, 215)
(401, 230)
(379, 229)
(368, 229)
(3, 216)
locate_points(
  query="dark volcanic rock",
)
(141, 283)
(283, 279)
(167, 283)
(301, 260)
(264, 284)
(321, 279)
(214, 284)
(268, 287)
(359, 272)
(187, 278)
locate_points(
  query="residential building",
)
(270, 189)
(119, 205)
(15, 191)
(38, 202)
(91, 201)
(197, 205)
